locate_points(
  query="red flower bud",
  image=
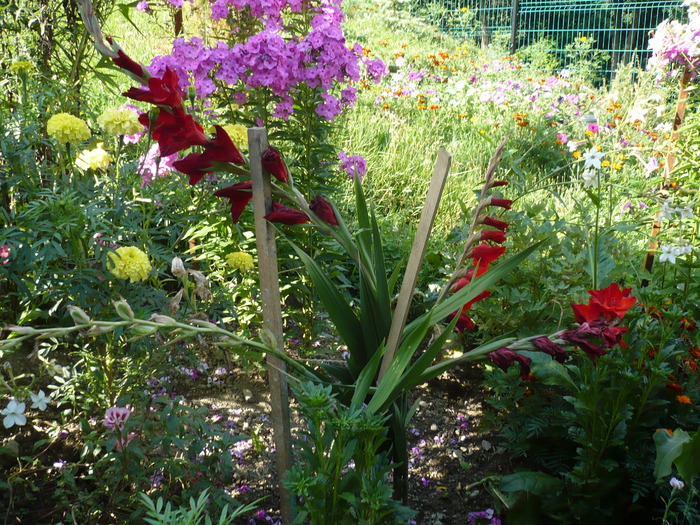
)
(323, 210)
(272, 163)
(503, 203)
(504, 357)
(498, 183)
(493, 235)
(483, 254)
(286, 215)
(124, 62)
(488, 221)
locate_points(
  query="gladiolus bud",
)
(486, 254)
(498, 183)
(323, 210)
(504, 357)
(78, 315)
(124, 310)
(493, 235)
(488, 221)
(286, 215)
(503, 203)
(123, 61)
(272, 163)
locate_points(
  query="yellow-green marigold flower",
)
(117, 121)
(96, 159)
(238, 134)
(128, 262)
(21, 66)
(240, 261)
(67, 128)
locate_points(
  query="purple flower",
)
(354, 165)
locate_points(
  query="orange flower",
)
(674, 387)
(695, 352)
(692, 365)
(684, 400)
(385, 106)
(434, 107)
(670, 432)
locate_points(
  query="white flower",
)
(686, 212)
(668, 254)
(676, 483)
(651, 166)
(14, 414)
(590, 178)
(400, 61)
(667, 210)
(40, 400)
(592, 158)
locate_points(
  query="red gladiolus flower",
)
(493, 235)
(483, 254)
(546, 345)
(286, 215)
(609, 303)
(176, 131)
(488, 221)
(239, 195)
(195, 165)
(504, 357)
(123, 61)
(324, 210)
(272, 163)
(577, 337)
(503, 203)
(161, 91)
(222, 148)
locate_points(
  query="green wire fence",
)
(620, 30)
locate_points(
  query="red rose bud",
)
(124, 62)
(488, 221)
(503, 203)
(238, 195)
(323, 210)
(272, 163)
(222, 148)
(195, 165)
(286, 215)
(161, 91)
(493, 235)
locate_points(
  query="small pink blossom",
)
(115, 417)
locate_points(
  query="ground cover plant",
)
(128, 264)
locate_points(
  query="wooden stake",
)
(420, 242)
(272, 313)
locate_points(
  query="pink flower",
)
(5, 254)
(115, 417)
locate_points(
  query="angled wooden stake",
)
(272, 312)
(420, 242)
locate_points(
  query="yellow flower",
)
(240, 261)
(67, 128)
(238, 134)
(96, 159)
(21, 66)
(605, 163)
(128, 262)
(123, 121)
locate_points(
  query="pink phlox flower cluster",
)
(152, 165)
(115, 417)
(354, 165)
(274, 60)
(677, 44)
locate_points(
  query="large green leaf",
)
(550, 372)
(537, 483)
(668, 448)
(339, 310)
(688, 463)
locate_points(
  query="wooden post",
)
(420, 242)
(272, 312)
(670, 164)
(514, 20)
